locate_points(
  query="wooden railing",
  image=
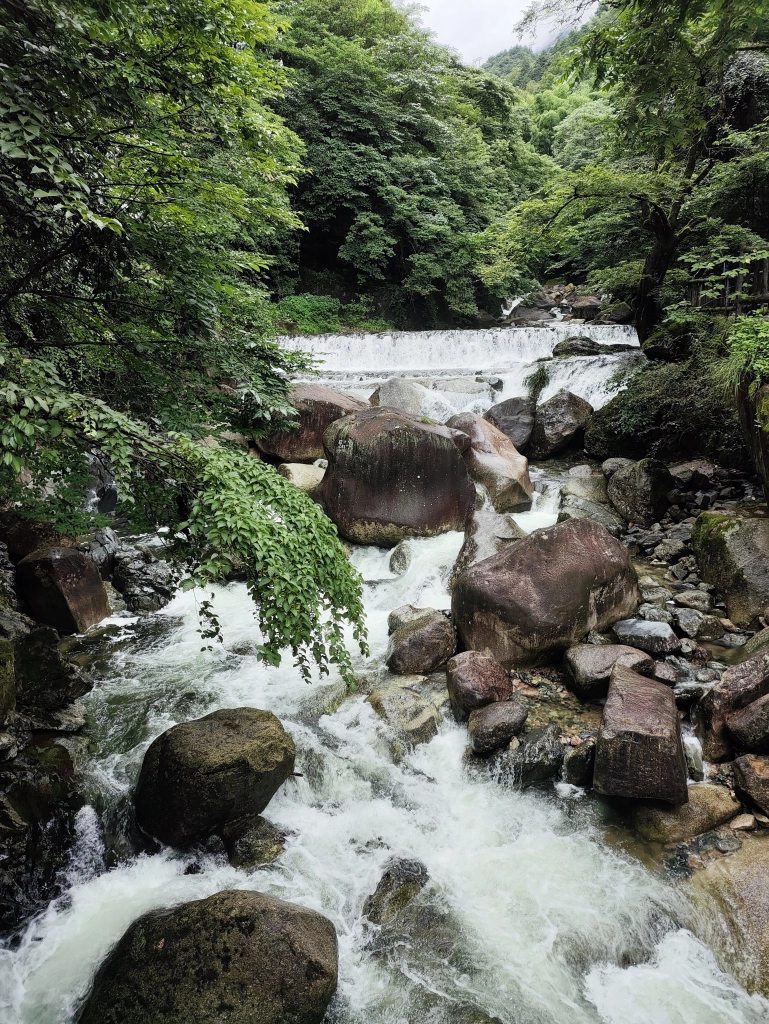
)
(745, 287)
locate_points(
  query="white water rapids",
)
(551, 922)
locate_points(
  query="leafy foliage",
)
(749, 351)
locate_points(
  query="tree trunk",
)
(647, 305)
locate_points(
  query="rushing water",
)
(545, 920)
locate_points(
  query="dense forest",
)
(180, 184)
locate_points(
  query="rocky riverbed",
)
(547, 800)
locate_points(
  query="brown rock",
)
(709, 806)
(493, 460)
(515, 418)
(559, 421)
(545, 593)
(639, 752)
(751, 774)
(422, 645)
(475, 680)
(486, 534)
(62, 588)
(495, 725)
(317, 407)
(237, 956)
(737, 687)
(199, 775)
(589, 667)
(749, 727)
(391, 476)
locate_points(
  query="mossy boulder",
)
(237, 956)
(733, 555)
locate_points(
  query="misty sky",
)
(477, 28)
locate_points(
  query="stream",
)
(551, 919)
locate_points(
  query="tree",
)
(143, 179)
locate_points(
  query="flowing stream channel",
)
(545, 918)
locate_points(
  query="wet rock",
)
(199, 775)
(589, 667)
(475, 680)
(743, 823)
(486, 533)
(652, 637)
(46, 681)
(577, 346)
(145, 582)
(411, 714)
(751, 777)
(698, 626)
(391, 476)
(639, 752)
(579, 764)
(749, 728)
(582, 508)
(317, 407)
(493, 460)
(402, 880)
(493, 726)
(253, 841)
(422, 645)
(733, 556)
(537, 759)
(515, 418)
(559, 421)
(736, 887)
(240, 956)
(102, 547)
(400, 559)
(639, 491)
(62, 588)
(709, 806)
(738, 687)
(306, 477)
(398, 394)
(545, 593)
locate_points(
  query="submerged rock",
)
(515, 418)
(709, 806)
(545, 593)
(559, 421)
(237, 956)
(62, 588)
(402, 880)
(317, 407)
(639, 492)
(493, 460)
(390, 476)
(639, 752)
(733, 556)
(493, 726)
(420, 646)
(589, 667)
(475, 680)
(199, 775)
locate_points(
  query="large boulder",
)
(475, 680)
(199, 775)
(399, 394)
(46, 681)
(493, 460)
(486, 534)
(545, 593)
(639, 492)
(62, 588)
(391, 476)
(735, 889)
(709, 806)
(560, 421)
(733, 555)
(317, 406)
(495, 725)
(749, 728)
(737, 688)
(639, 752)
(238, 956)
(515, 418)
(586, 483)
(751, 776)
(420, 646)
(573, 507)
(589, 667)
